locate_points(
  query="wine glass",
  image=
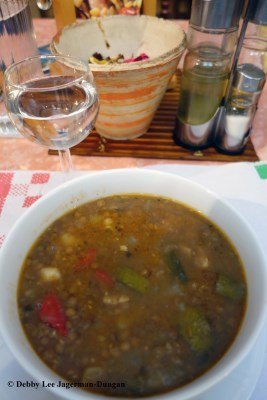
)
(52, 100)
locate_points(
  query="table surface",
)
(20, 154)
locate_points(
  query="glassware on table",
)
(236, 122)
(211, 39)
(44, 5)
(237, 117)
(254, 47)
(17, 41)
(52, 100)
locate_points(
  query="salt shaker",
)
(236, 122)
(211, 39)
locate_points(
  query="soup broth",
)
(131, 295)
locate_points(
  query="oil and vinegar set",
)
(223, 74)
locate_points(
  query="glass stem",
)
(65, 162)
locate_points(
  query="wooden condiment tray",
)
(157, 142)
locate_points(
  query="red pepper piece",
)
(129, 60)
(141, 57)
(104, 277)
(52, 313)
(86, 260)
(129, 10)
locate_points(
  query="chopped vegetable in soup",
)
(131, 295)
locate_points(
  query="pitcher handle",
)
(44, 4)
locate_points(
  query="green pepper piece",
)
(229, 288)
(176, 266)
(132, 279)
(195, 329)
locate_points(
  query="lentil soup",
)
(131, 295)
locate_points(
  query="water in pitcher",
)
(17, 39)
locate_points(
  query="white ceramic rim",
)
(164, 58)
(201, 384)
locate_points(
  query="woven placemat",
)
(158, 141)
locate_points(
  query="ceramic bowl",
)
(100, 184)
(130, 93)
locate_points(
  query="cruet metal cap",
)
(249, 78)
(216, 14)
(259, 12)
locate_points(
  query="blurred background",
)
(169, 9)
